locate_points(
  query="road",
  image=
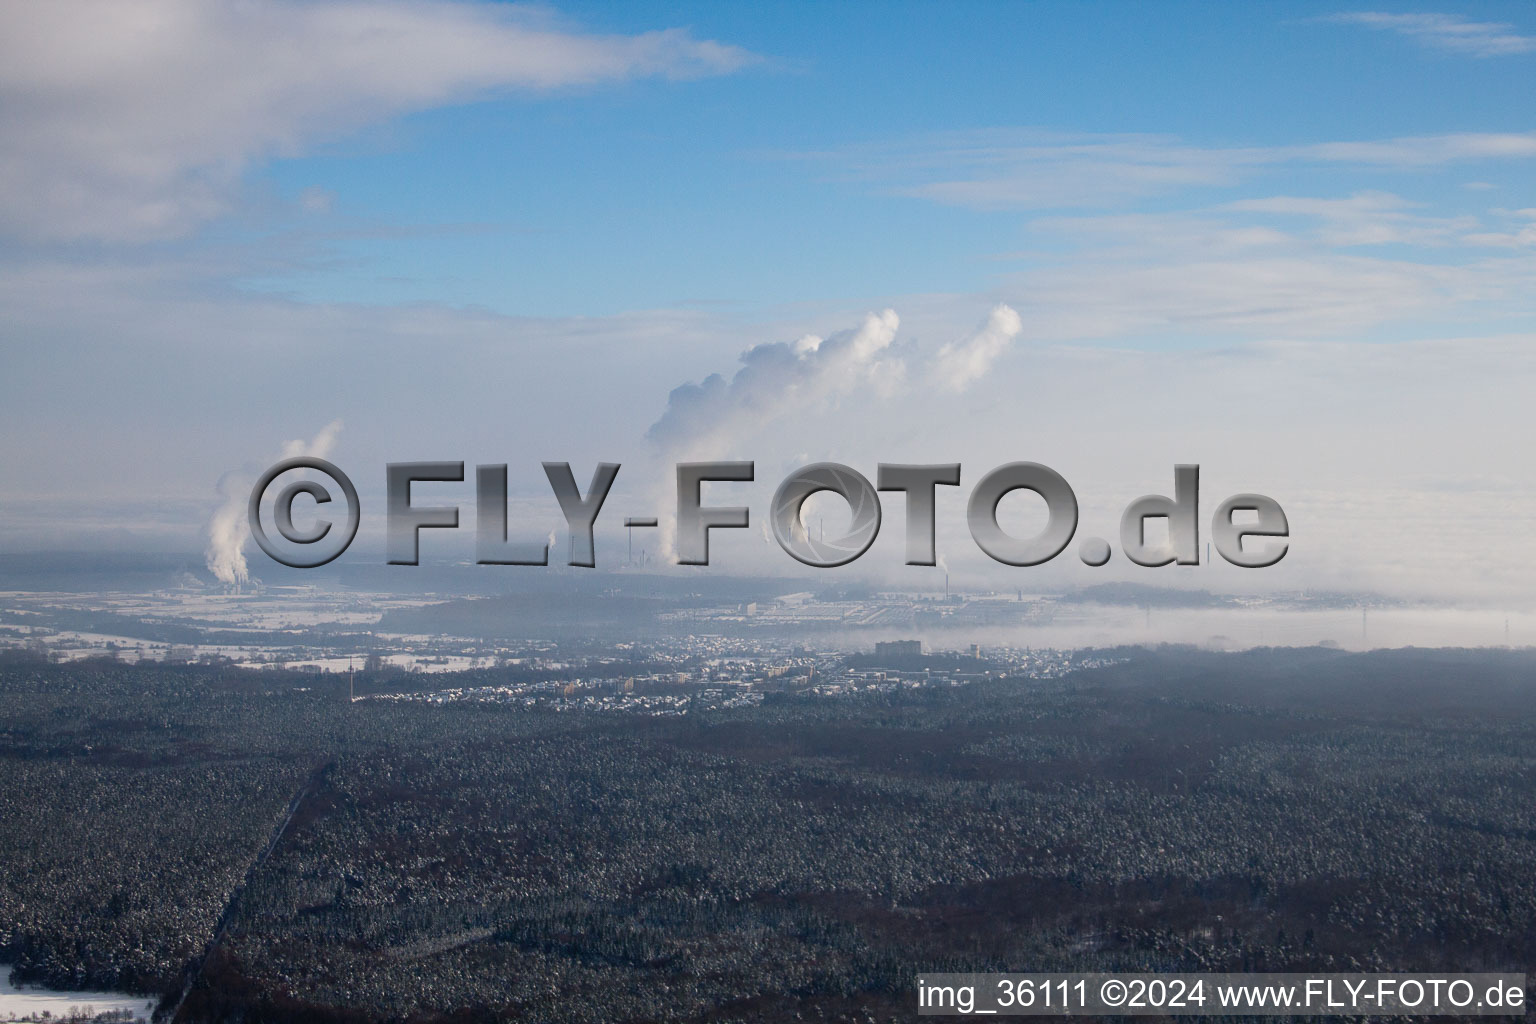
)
(194, 969)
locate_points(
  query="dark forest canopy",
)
(1178, 809)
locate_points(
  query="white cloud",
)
(1417, 150)
(1029, 169)
(1258, 267)
(1364, 218)
(1446, 32)
(1314, 296)
(1522, 233)
(136, 121)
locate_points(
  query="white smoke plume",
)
(228, 530)
(318, 447)
(960, 363)
(783, 381)
(777, 380)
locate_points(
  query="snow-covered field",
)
(266, 617)
(32, 1003)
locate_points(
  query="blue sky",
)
(1295, 243)
(742, 188)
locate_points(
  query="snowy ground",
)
(32, 1003)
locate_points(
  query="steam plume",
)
(960, 363)
(780, 381)
(776, 380)
(228, 529)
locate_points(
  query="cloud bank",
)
(132, 122)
